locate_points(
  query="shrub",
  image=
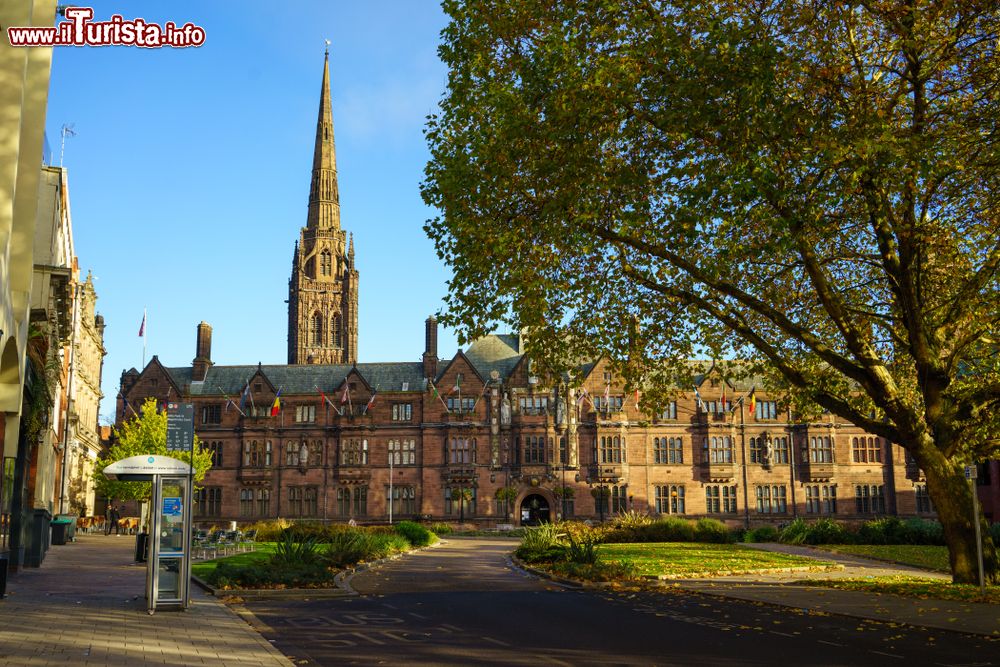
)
(619, 570)
(631, 520)
(884, 530)
(761, 534)
(417, 535)
(542, 544)
(827, 531)
(261, 575)
(712, 530)
(542, 537)
(671, 529)
(270, 530)
(291, 551)
(551, 554)
(994, 533)
(795, 532)
(441, 528)
(921, 531)
(583, 548)
(349, 547)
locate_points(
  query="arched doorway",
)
(534, 510)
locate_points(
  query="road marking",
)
(888, 655)
(451, 627)
(420, 616)
(386, 604)
(783, 634)
(554, 661)
(823, 641)
(494, 641)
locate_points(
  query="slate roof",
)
(497, 352)
(231, 380)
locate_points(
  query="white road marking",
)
(494, 641)
(823, 641)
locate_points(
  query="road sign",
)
(180, 427)
(970, 472)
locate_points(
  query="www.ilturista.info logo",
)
(79, 30)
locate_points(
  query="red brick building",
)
(447, 434)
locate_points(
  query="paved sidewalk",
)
(86, 606)
(974, 618)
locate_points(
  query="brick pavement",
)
(86, 606)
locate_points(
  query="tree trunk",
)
(953, 498)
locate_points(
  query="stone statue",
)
(561, 410)
(768, 451)
(505, 410)
(303, 454)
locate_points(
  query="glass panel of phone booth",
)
(171, 539)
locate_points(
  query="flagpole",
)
(143, 337)
(743, 448)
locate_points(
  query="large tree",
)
(144, 433)
(809, 186)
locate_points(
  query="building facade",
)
(450, 438)
(482, 438)
(24, 75)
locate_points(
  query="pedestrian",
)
(115, 518)
(107, 518)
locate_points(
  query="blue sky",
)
(190, 168)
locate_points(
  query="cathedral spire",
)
(324, 200)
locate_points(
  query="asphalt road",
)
(463, 604)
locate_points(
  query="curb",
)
(661, 578)
(341, 580)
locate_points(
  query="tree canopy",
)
(145, 433)
(808, 187)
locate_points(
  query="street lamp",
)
(390, 481)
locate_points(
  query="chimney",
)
(430, 347)
(203, 353)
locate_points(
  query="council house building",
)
(329, 438)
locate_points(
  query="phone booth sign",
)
(168, 569)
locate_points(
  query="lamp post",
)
(390, 483)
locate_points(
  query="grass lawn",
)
(915, 587)
(923, 556)
(692, 559)
(203, 569)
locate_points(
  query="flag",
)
(723, 401)
(276, 407)
(243, 397)
(322, 396)
(371, 401)
(753, 401)
(457, 387)
(583, 395)
(697, 398)
(437, 395)
(636, 398)
(142, 327)
(345, 396)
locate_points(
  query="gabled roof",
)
(494, 352)
(461, 355)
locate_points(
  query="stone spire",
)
(324, 199)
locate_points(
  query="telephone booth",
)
(168, 568)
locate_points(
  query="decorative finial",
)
(327, 46)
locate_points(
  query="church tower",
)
(323, 289)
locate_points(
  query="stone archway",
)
(534, 509)
(10, 377)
